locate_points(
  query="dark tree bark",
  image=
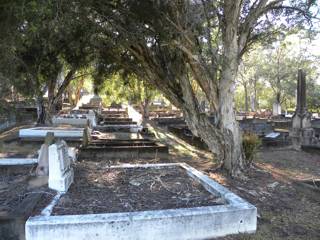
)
(54, 98)
(41, 112)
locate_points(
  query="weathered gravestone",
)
(43, 159)
(60, 171)
(86, 138)
(92, 118)
(301, 132)
(276, 109)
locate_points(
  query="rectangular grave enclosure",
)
(236, 216)
(124, 149)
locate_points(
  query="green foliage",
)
(118, 88)
(270, 73)
(44, 37)
(250, 144)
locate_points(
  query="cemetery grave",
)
(101, 148)
(125, 150)
(78, 120)
(277, 138)
(261, 127)
(82, 214)
(105, 196)
(285, 124)
(117, 121)
(160, 120)
(21, 192)
(37, 134)
(13, 151)
(168, 121)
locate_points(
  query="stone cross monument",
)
(301, 132)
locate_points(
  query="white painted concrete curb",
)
(237, 216)
(42, 132)
(17, 161)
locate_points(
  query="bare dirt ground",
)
(286, 210)
(100, 189)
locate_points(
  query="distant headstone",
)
(86, 139)
(60, 171)
(276, 109)
(92, 118)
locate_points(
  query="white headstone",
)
(60, 171)
(276, 109)
(92, 118)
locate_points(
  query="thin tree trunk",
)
(53, 99)
(78, 90)
(145, 104)
(246, 97)
(254, 101)
(41, 113)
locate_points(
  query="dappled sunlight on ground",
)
(290, 163)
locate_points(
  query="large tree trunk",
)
(145, 109)
(50, 107)
(233, 140)
(217, 138)
(235, 161)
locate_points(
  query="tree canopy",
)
(171, 45)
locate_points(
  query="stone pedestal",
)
(301, 133)
(60, 171)
(301, 136)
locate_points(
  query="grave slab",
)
(59, 132)
(129, 149)
(80, 122)
(17, 161)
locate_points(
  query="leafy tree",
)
(276, 66)
(119, 88)
(49, 38)
(172, 43)
(169, 44)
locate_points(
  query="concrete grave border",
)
(236, 216)
(132, 128)
(41, 132)
(81, 122)
(17, 161)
